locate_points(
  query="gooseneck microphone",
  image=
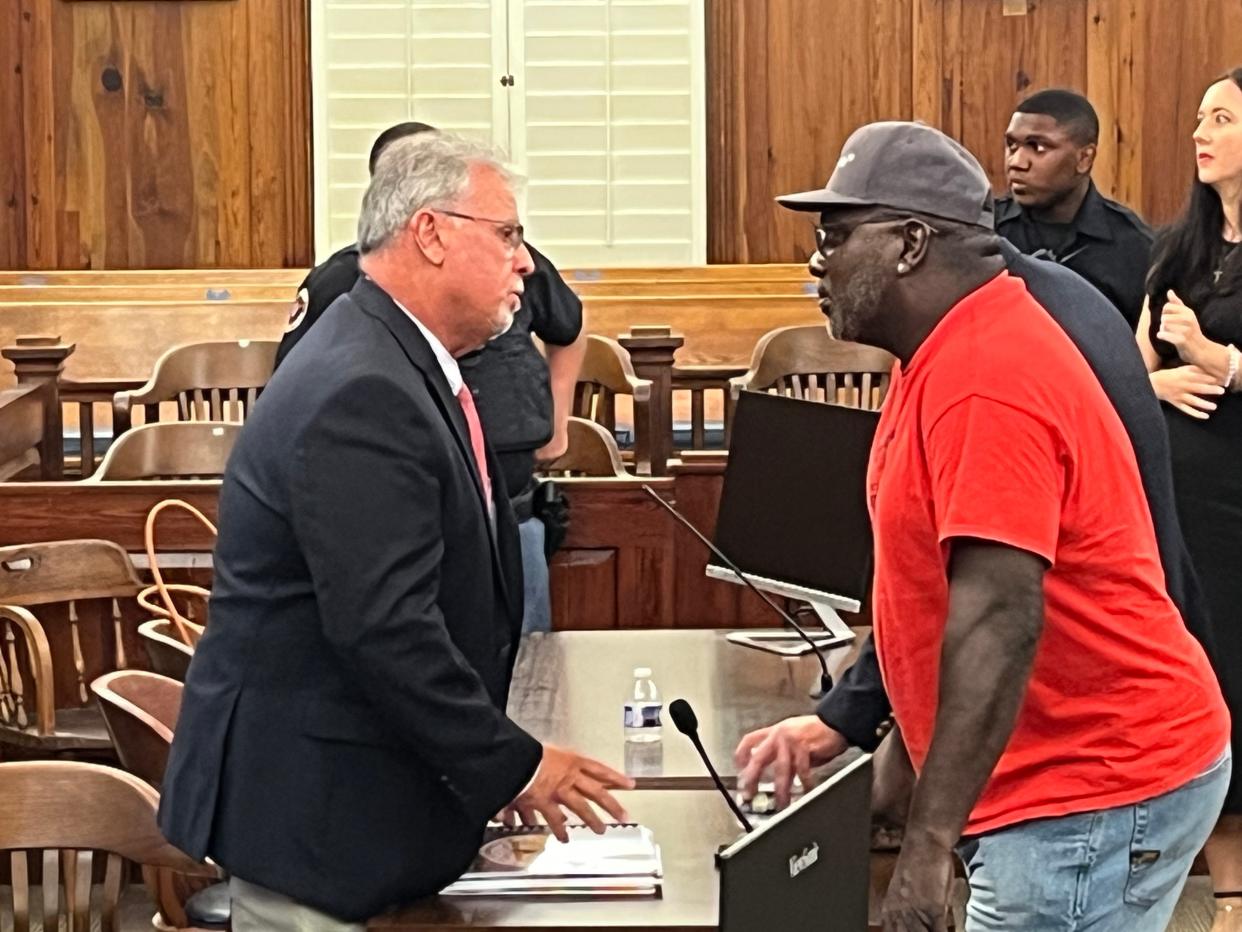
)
(825, 678)
(688, 724)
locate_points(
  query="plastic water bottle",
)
(643, 709)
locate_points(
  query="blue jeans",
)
(537, 612)
(1112, 869)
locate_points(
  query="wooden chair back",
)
(169, 655)
(607, 373)
(140, 710)
(216, 381)
(46, 662)
(592, 451)
(807, 363)
(170, 450)
(57, 818)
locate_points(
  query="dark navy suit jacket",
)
(342, 737)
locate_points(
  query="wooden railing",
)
(693, 396)
(78, 399)
(704, 390)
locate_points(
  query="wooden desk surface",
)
(688, 826)
(569, 687)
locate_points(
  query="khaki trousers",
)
(257, 909)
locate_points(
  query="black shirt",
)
(508, 377)
(857, 705)
(1107, 244)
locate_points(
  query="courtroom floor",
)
(1194, 912)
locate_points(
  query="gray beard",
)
(858, 304)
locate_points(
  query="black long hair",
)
(1188, 253)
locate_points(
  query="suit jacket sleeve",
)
(857, 705)
(366, 511)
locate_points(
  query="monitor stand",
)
(785, 641)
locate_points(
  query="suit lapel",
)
(378, 303)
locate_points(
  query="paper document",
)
(529, 860)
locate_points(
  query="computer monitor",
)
(793, 512)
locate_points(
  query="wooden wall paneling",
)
(300, 226)
(217, 40)
(157, 135)
(160, 160)
(737, 130)
(1006, 58)
(37, 129)
(1115, 68)
(116, 511)
(617, 516)
(279, 132)
(584, 590)
(790, 81)
(12, 147)
(1187, 45)
(936, 64)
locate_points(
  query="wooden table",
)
(569, 687)
(688, 825)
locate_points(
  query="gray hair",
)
(415, 173)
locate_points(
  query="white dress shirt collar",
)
(452, 371)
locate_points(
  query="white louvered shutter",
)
(605, 115)
(379, 62)
(608, 127)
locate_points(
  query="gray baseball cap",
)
(904, 166)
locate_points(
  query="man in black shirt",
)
(1054, 211)
(523, 400)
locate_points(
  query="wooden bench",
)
(123, 321)
(124, 339)
(144, 294)
(625, 563)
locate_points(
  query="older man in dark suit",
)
(343, 740)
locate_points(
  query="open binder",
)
(528, 860)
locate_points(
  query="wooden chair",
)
(805, 362)
(218, 381)
(170, 450)
(140, 710)
(169, 655)
(592, 451)
(47, 661)
(606, 373)
(55, 817)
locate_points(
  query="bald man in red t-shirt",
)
(1069, 738)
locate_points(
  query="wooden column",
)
(40, 360)
(651, 350)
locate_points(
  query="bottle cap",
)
(642, 672)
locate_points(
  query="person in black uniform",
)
(1189, 335)
(523, 399)
(1054, 211)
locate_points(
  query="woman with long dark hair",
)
(1189, 335)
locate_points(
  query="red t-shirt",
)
(998, 430)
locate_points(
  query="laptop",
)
(807, 867)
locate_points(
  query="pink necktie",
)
(476, 441)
